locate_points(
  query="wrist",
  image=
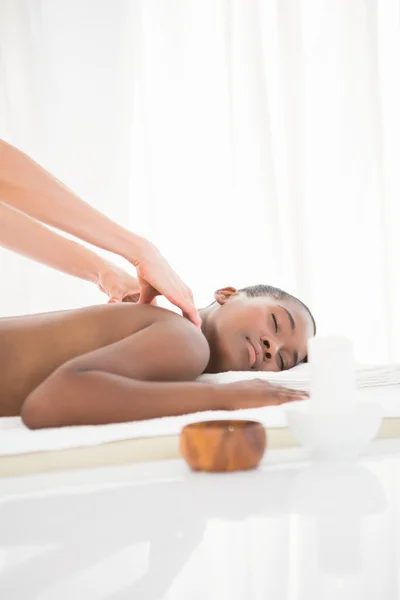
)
(134, 248)
(223, 397)
(99, 268)
(145, 252)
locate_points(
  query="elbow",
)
(33, 412)
(46, 406)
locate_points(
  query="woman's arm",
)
(147, 375)
(20, 233)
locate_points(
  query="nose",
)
(270, 348)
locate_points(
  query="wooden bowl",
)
(219, 446)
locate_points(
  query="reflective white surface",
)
(288, 531)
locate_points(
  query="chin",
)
(230, 363)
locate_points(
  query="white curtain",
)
(251, 140)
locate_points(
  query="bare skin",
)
(31, 197)
(125, 362)
(37, 345)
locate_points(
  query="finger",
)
(147, 295)
(113, 301)
(185, 302)
(295, 392)
(131, 298)
(290, 391)
(286, 390)
(284, 398)
(193, 315)
(117, 294)
(288, 400)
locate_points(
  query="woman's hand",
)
(156, 277)
(255, 393)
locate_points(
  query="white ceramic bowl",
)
(334, 436)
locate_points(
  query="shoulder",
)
(192, 344)
(182, 337)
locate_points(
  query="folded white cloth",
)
(299, 378)
(380, 384)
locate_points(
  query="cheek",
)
(301, 345)
(243, 321)
(232, 321)
(259, 321)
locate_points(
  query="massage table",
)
(24, 452)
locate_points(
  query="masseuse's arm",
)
(26, 186)
(22, 234)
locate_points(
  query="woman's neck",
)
(209, 333)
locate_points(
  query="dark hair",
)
(276, 294)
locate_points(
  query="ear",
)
(222, 295)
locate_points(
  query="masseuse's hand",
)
(117, 284)
(156, 277)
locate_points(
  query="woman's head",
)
(259, 328)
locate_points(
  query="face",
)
(260, 334)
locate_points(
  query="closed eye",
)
(281, 362)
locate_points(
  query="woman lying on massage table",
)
(127, 362)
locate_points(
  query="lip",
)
(254, 353)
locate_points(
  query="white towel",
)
(299, 378)
(380, 383)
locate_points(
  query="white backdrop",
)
(251, 140)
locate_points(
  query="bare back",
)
(32, 347)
